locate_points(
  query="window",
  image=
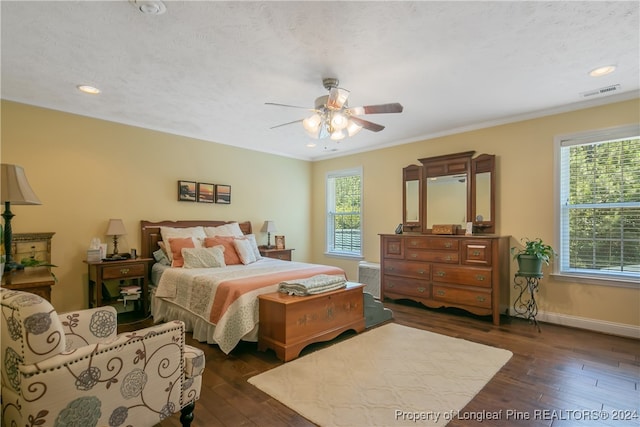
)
(344, 212)
(599, 205)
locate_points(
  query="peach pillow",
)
(230, 255)
(176, 244)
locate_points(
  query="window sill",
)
(620, 282)
(344, 256)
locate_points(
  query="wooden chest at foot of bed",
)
(288, 323)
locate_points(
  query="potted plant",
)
(531, 257)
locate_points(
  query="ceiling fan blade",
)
(374, 127)
(394, 107)
(290, 106)
(285, 124)
(337, 98)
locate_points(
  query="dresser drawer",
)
(440, 243)
(407, 268)
(476, 252)
(393, 247)
(405, 286)
(123, 271)
(462, 296)
(431, 256)
(474, 276)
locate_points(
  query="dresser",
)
(459, 271)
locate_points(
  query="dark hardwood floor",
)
(559, 377)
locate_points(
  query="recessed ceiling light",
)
(602, 71)
(311, 144)
(88, 89)
(149, 7)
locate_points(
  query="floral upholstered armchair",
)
(74, 370)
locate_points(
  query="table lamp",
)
(14, 189)
(269, 227)
(115, 229)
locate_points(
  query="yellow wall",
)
(525, 198)
(86, 171)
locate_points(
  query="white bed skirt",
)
(203, 331)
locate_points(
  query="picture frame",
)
(206, 192)
(223, 194)
(280, 242)
(186, 191)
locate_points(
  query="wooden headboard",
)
(151, 232)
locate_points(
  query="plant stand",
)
(525, 305)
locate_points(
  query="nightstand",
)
(283, 254)
(36, 280)
(123, 270)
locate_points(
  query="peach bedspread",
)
(227, 298)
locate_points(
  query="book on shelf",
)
(130, 290)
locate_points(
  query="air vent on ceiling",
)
(607, 90)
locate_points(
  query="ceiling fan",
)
(332, 117)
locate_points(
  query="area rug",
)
(392, 375)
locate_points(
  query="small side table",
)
(36, 280)
(525, 305)
(128, 269)
(283, 254)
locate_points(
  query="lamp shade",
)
(15, 187)
(116, 228)
(269, 227)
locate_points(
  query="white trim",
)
(604, 326)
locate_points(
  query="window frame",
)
(559, 271)
(330, 204)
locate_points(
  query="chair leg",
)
(186, 416)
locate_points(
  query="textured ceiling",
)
(205, 69)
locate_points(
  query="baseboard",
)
(613, 328)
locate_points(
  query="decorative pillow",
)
(176, 244)
(161, 257)
(230, 255)
(203, 257)
(231, 229)
(244, 250)
(254, 245)
(167, 232)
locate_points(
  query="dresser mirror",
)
(411, 198)
(450, 189)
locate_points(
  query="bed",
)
(219, 304)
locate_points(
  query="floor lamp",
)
(14, 189)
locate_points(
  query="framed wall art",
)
(280, 242)
(186, 191)
(223, 194)
(205, 192)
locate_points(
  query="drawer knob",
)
(389, 268)
(480, 298)
(448, 245)
(414, 255)
(440, 273)
(440, 292)
(420, 271)
(413, 243)
(475, 253)
(447, 258)
(480, 278)
(421, 289)
(390, 285)
(124, 271)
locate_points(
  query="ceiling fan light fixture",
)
(338, 134)
(312, 124)
(353, 128)
(338, 121)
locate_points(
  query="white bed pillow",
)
(196, 233)
(231, 229)
(212, 257)
(161, 257)
(244, 250)
(254, 245)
